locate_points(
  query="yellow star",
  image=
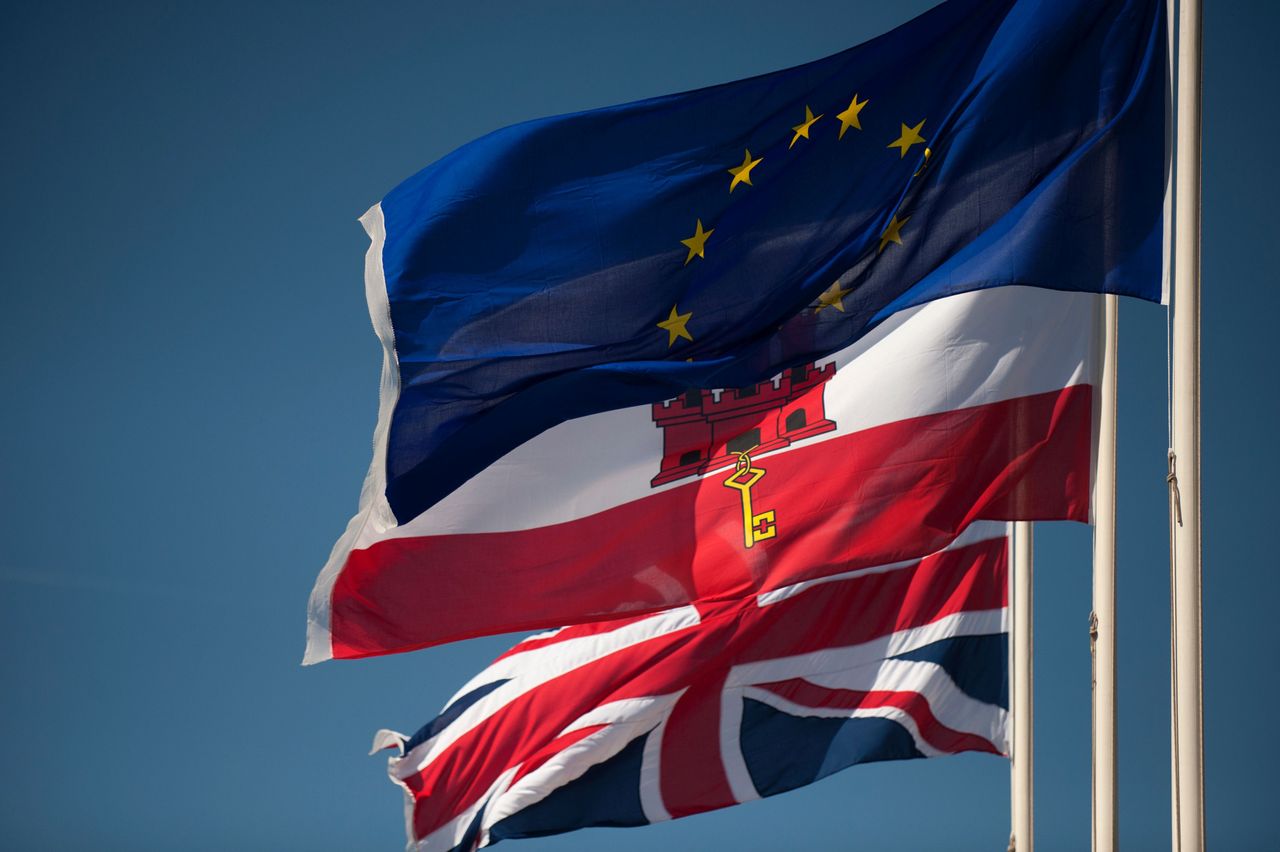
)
(893, 233)
(849, 118)
(802, 129)
(832, 298)
(910, 136)
(742, 173)
(697, 243)
(675, 326)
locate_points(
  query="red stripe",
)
(963, 579)
(553, 748)
(886, 494)
(913, 704)
(693, 777)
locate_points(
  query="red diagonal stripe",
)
(914, 704)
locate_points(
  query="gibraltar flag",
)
(977, 406)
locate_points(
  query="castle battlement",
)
(705, 430)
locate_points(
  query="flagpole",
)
(1023, 710)
(1102, 622)
(1184, 457)
(1013, 722)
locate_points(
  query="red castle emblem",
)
(705, 430)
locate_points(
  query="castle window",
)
(744, 442)
(795, 420)
(690, 457)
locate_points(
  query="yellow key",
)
(754, 527)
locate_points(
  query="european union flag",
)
(621, 256)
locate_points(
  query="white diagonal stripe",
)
(808, 666)
(974, 533)
(531, 669)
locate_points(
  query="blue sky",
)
(191, 383)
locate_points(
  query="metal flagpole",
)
(1013, 721)
(1023, 839)
(1184, 455)
(1102, 621)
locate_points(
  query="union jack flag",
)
(630, 722)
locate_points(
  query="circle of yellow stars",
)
(676, 325)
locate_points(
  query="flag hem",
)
(373, 508)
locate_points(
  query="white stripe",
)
(531, 669)
(626, 720)
(808, 666)
(735, 762)
(977, 531)
(965, 350)
(633, 719)
(651, 802)
(950, 705)
(568, 654)
(451, 833)
(538, 637)
(373, 519)
(893, 714)
(645, 712)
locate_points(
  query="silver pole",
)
(1184, 461)
(1023, 709)
(1102, 623)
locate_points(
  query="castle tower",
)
(705, 430)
